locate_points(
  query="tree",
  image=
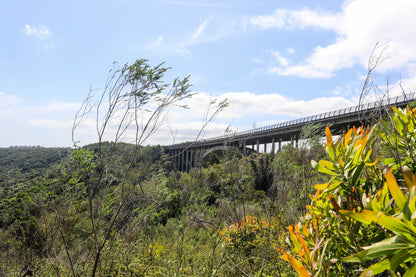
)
(132, 105)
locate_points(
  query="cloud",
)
(279, 58)
(27, 123)
(200, 29)
(357, 27)
(50, 123)
(155, 44)
(209, 30)
(40, 32)
(289, 19)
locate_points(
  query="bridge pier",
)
(273, 146)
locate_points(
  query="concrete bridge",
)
(189, 154)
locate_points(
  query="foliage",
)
(341, 234)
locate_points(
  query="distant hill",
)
(25, 159)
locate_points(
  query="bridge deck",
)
(186, 154)
(286, 130)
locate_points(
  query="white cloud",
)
(47, 124)
(200, 29)
(289, 19)
(290, 50)
(358, 27)
(155, 44)
(40, 32)
(50, 123)
(279, 58)
(209, 30)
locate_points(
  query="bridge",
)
(189, 154)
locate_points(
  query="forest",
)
(345, 207)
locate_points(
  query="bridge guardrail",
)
(344, 111)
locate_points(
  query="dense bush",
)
(352, 213)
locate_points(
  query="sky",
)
(273, 60)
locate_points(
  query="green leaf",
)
(397, 226)
(376, 268)
(411, 272)
(364, 216)
(327, 164)
(385, 247)
(357, 174)
(399, 258)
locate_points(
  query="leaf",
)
(347, 138)
(399, 258)
(395, 190)
(327, 164)
(365, 216)
(321, 186)
(328, 136)
(325, 170)
(409, 177)
(385, 247)
(297, 266)
(389, 161)
(357, 174)
(397, 226)
(376, 268)
(334, 203)
(341, 162)
(411, 272)
(305, 248)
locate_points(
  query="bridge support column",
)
(296, 141)
(273, 146)
(186, 160)
(258, 146)
(291, 140)
(244, 148)
(196, 158)
(182, 160)
(265, 147)
(280, 144)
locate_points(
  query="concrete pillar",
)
(296, 140)
(182, 160)
(291, 140)
(273, 146)
(244, 148)
(186, 160)
(258, 146)
(177, 161)
(265, 147)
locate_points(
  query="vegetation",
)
(119, 209)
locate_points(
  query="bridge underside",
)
(193, 155)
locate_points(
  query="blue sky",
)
(273, 60)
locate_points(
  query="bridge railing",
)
(344, 111)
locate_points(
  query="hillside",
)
(114, 209)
